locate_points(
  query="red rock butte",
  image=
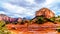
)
(47, 13)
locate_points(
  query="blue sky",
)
(27, 8)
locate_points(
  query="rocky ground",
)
(46, 28)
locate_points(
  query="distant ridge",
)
(3, 15)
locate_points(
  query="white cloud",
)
(2, 12)
(49, 2)
(17, 10)
(16, 15)
(30, 1)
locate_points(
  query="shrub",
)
(3, 29)
(40, 20)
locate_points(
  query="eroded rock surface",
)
(47, 13)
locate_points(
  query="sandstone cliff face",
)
(45, 12)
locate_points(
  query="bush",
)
(40, 20)
(3, 29)
(7, 22)
(58, 30)
(58, 16)
(52, 19)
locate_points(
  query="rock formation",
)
(45, 12)
(3, 17)
(19, 20)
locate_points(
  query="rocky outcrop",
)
(45, 12)
(7, 18)
(3, 17)
(19, 20)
